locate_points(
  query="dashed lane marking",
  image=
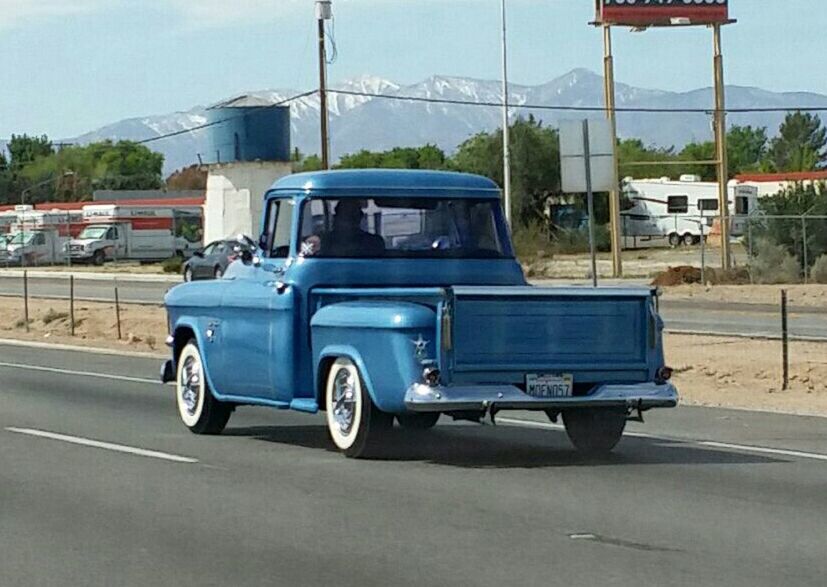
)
(141, 452)
(79, 373)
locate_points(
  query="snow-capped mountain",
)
(365, 122)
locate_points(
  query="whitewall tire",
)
(354, 423)
(198, 409)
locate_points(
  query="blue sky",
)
(68, 66)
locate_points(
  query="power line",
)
(223, 120)
(576, 108)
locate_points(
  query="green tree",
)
(800, 145)
(427, 157)
(797, 200)
(535, 165)
(746, 149)
(633, 151)
(73, 173)
(24, 149)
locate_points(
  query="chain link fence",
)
(764, 248)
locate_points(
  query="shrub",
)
(531, 241)
(772, 263)
(172, 265)
(818, 272)
(52, 316)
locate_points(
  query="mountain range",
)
(365, 122)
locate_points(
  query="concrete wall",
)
(235, 194)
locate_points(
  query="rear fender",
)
(327, 357)
(389, 341)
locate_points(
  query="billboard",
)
(662, 12)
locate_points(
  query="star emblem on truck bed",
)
(421, 347)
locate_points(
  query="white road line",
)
(709, 443)
(104, 445)
(761, 449)
(79, 373)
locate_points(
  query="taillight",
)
(664, 374)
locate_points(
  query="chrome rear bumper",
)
(642, 396)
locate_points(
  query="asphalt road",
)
(723, 318)
(711, 497)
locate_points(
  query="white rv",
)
(683, 210)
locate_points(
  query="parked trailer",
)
(143, 233)
(684, 210)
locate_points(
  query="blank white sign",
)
(572, 159)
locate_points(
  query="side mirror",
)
(199, 254)
(245, 255)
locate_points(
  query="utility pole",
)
(721, 144)
(506, 129)
(614, 195)
(324, 12)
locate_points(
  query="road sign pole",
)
(590, 196)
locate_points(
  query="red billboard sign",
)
(662, 12)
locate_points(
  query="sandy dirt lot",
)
(143, 328)
(746, 373)
(637, 263)
(810, 296)
(713, 371)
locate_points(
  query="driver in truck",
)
(347, 238)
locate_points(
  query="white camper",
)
(682, 210)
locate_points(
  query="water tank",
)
(247, 129)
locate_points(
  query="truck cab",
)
(38, 246)
(378, 296)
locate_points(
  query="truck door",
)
(116, 235)
(257, 326)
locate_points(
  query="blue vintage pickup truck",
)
(381, 295)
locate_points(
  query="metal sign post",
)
(590, 198)
(587, 163)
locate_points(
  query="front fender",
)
(182, 331)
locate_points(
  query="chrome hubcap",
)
(190, 384)
(344, 401)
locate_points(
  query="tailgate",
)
(599, 335)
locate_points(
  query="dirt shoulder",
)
(747, 373)
(710, 371)
(143, 328)
(812, 295)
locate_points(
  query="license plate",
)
(549, 385)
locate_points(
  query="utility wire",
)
(223, 120)
(575, 108)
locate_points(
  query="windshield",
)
(404, 228)
(21, 238)
(93, 232)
